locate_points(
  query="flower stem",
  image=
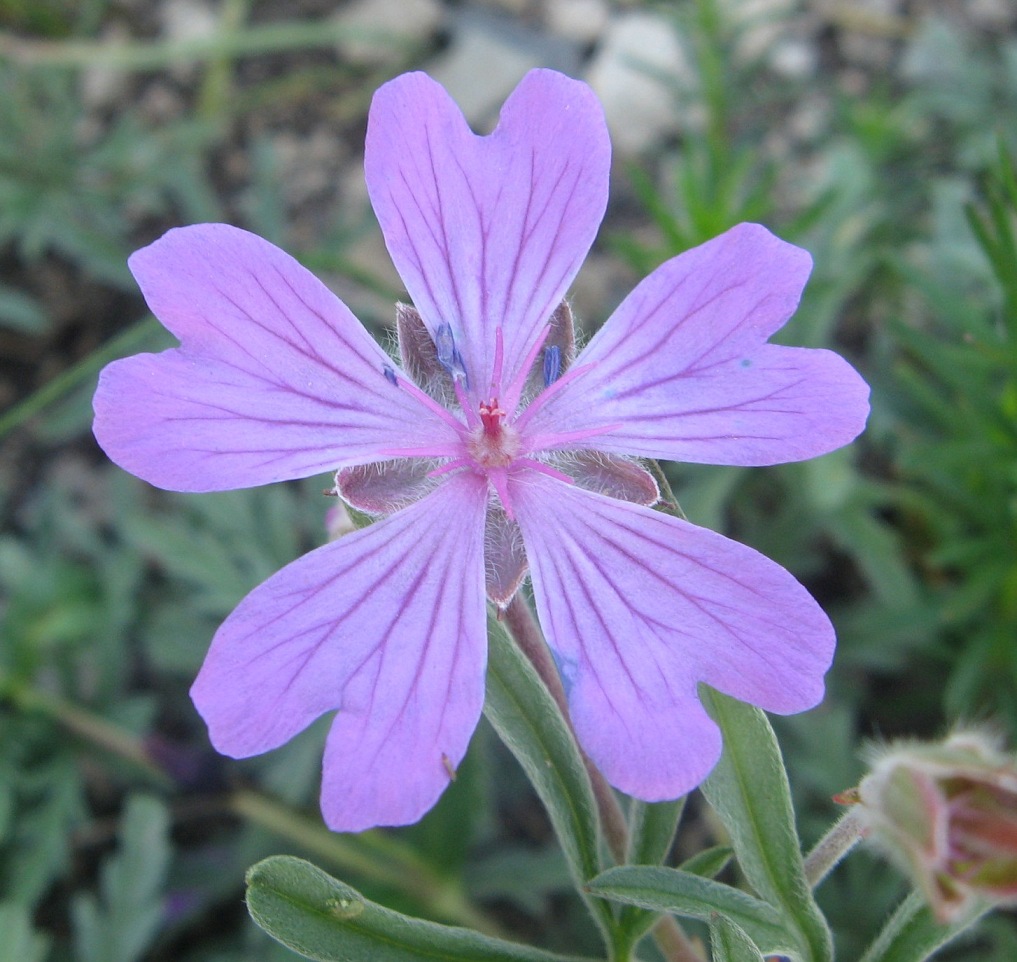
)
(518, 617)
(832, 847)
(372, 855)
(85, 725)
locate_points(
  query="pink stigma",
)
(493, 443)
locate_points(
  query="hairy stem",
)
(833, 846)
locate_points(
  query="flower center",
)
(493, 443)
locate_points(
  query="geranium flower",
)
(487, 448)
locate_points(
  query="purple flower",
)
(490, 447)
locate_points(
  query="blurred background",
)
(878, 134)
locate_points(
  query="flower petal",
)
(389, 626)
(682, 371)
(488, 231)
(639, 607)
(275, 378)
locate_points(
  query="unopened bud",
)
(947, 814)
(338, 521)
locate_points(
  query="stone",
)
(794, 58)
(101, 85)
(188, 20)
(488, 56)
(992, 14)
(757, 24)
(582, 21)
(639, 72)
(380, 31)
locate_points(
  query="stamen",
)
(453, 465)
(428, 401)
(541, 399)
(498, 477)
(546, 469)
(552, 364)
(499, 357)
(448, 354)
(472, 420)
(390, 375)
(515, 391)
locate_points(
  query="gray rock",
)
(381, 30)
(488, 56)
(639, 72)
(578, 20)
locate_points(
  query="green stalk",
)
(74, 376)
(373, 855)
(141, 56)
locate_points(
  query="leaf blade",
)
(528, 721)
(692, 896)
(749, 791)
(324, 919)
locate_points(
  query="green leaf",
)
(520, 874)
(912, 933)
(749, 791)
(530, 724)
(20, 312)
(123, 926)
(322, 918)
(730, 943)
(19, 943)
(681, 893)
(708, 863)
(651, 831)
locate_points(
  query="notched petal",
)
(419, 356)
(274, 378)
(487, 233)
(387, 624)
(682, 369)
(504, 556)
(612, 475)
(383, 487)
(639, 607)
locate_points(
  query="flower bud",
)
(947, 814)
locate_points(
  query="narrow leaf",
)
(322, 918)
(749, 791)
(730, 943)
(708, 863)
(530, 724)
(122, 926)
(651, 831)
(20, 943)
(691, 896)
(912, 933)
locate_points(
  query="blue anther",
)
(448, 354)
(390, 376)
(552, 364)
